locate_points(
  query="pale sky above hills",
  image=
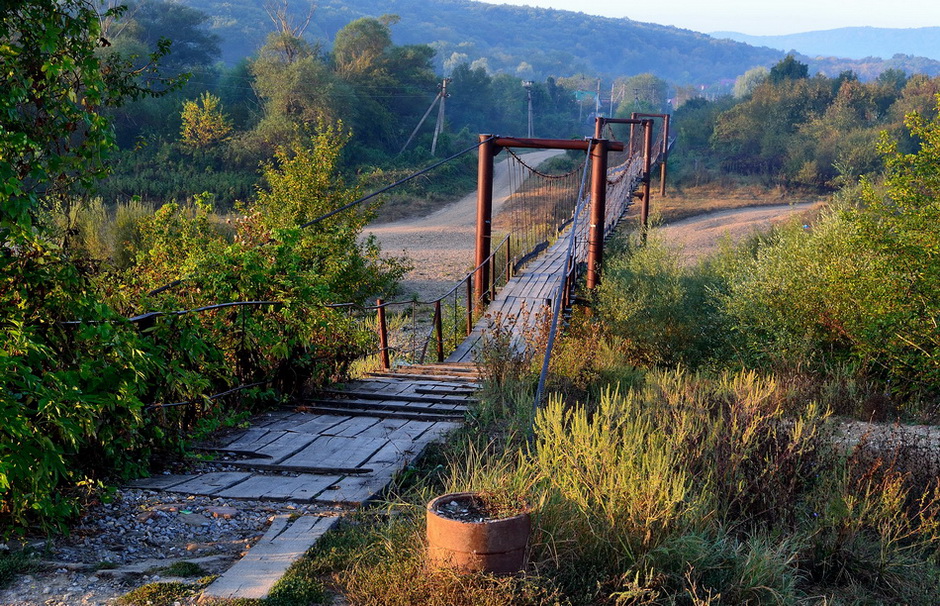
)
(757, 17)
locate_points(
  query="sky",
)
(756, 17)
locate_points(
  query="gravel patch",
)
(125, 543)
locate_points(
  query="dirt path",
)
(700, 235)
(441, 244)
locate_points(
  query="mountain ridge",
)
(850, 42)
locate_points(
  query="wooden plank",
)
(250, 440)
(400, 396)
(303, 488)
(210, 483)
(319, 424)
(332, 452)
(254, 575)
(352, 427)
(388, 405)
(356, 490)
(390, 414)
(445, 378)
(284, 446)
(386, 428)
(160, 482)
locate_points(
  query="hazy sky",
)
(757, 17)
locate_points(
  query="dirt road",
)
(441, 244)
(701, 235)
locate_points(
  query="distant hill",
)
(533, 42)
(524, 41)
(852, 42)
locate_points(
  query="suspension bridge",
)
(344, 446)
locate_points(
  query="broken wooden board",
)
(285, 542)
(303, 488)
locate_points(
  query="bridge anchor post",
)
(598, 212)
(487, 152)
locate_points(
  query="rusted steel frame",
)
(383, 333)
(489, 147)
(664, 151)
(576, 144)
(487, 151)
(600, 121)
(647, 162)
(595, 253)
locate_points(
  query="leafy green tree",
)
(788, 69)
(70, 408)
(642, 93)
(144, 24)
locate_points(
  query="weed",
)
(182, 569)
(158, 594)
(13, 563)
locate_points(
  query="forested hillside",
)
(523, 41)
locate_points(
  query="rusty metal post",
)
(383, 334)
(598, 210)
(647, 161)
(599, 127)
(665, 157)
(469, 306)
(487, 152)
(439, 329)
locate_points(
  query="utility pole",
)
(421, 122)
(439, 127)
(528, 89)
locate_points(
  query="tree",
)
(53, 136)
(59, 382)
(204, 122)
(150, 21)
(788, 69)
(359, 49)
(749, 80)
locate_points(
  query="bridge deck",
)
(517, 305)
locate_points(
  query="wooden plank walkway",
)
(342, 448)
(518, 303)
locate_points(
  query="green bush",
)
(663, 312)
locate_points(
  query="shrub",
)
(663, 312)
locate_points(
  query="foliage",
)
(788, 69)
(70, 392)
(673, 492)
(664, 312)
(204, 123)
